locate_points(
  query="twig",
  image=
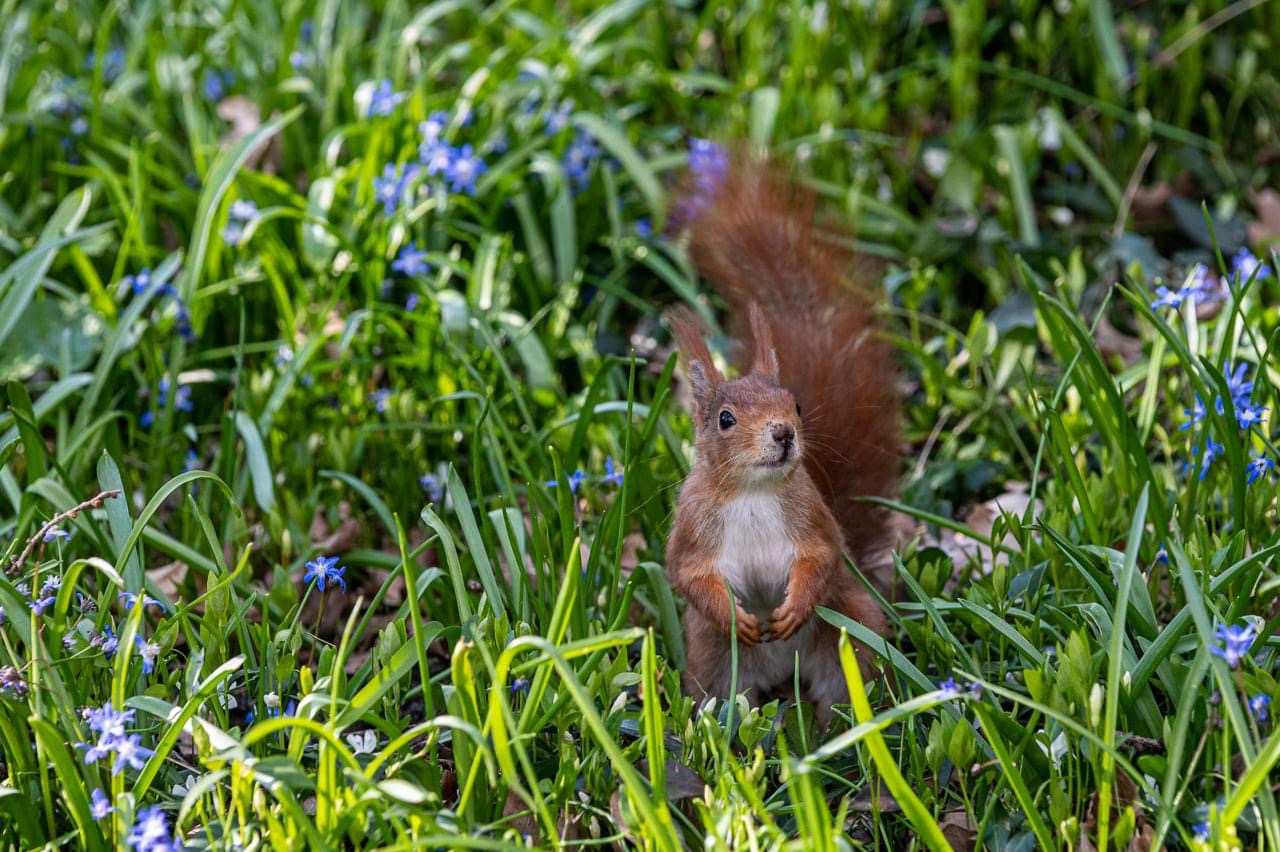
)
(94, 503)
(1131, 190)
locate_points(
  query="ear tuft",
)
(704, 378)
(765, 356)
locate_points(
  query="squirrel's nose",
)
(783, 433)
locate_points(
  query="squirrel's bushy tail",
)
(753, 235)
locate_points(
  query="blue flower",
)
(12, 684)
(1239, 389)
(612, 475)
(112, 65)
(148, 651)
(216, 84)
(383, 101)
(575, 479)
(578, 160)
(325, 570)
(181, 399)
(233, 233)
(464, 170)
(130, 599)
(644, 229)
(51, 586)
(130, 752)
(1201, 288)
(1236, 642)
(190, 461)
(520, 686)
(39, 605)
(1245, 264)
(1208, 453)
(949, 687)
(431, 484)
(433, 128)
(55, 534)
(151, 832)
(558, 118)
(108, 642)
(1258, 706)
(380, 397)
(975, 689)
(108, 724)
(1259, 467)
(411, 261)
(1201, 831)
(1249, 416)
(101, 806)
(245, 211)
(411, 303)
(1166, 298)
(709, 163)
(1162, 555)
(437, 157)
(389, 189)
(139, 282)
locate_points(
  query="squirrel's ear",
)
(765, 357)
(704, 378)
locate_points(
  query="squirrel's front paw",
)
(785, 621)
(748, 627)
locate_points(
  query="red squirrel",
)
(810, 422)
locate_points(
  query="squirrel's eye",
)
(727, 419)
(797, 409)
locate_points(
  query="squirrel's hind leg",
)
(708, 672)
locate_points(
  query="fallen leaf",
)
(957, 826)
(167, 577)
(981, 520)
(1265, 229)
(244, 117)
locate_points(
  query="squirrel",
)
(811, 421)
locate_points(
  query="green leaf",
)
(259, 467)
(216, 183)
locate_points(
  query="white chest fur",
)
(757, 554)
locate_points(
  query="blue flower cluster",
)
(459, 166)
(612, 476)
(1202, 289)
(108, 723)
(142, 282)
(708, 165)
(181, 402)
(1248, 416)
(579, 160)
(48, 593)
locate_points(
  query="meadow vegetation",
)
(341, 433)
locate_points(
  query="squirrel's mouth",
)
(787, 457)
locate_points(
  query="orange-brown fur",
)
(813, 339)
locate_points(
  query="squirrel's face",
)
(748, 430)
(752, 430)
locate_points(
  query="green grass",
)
(504, 666)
